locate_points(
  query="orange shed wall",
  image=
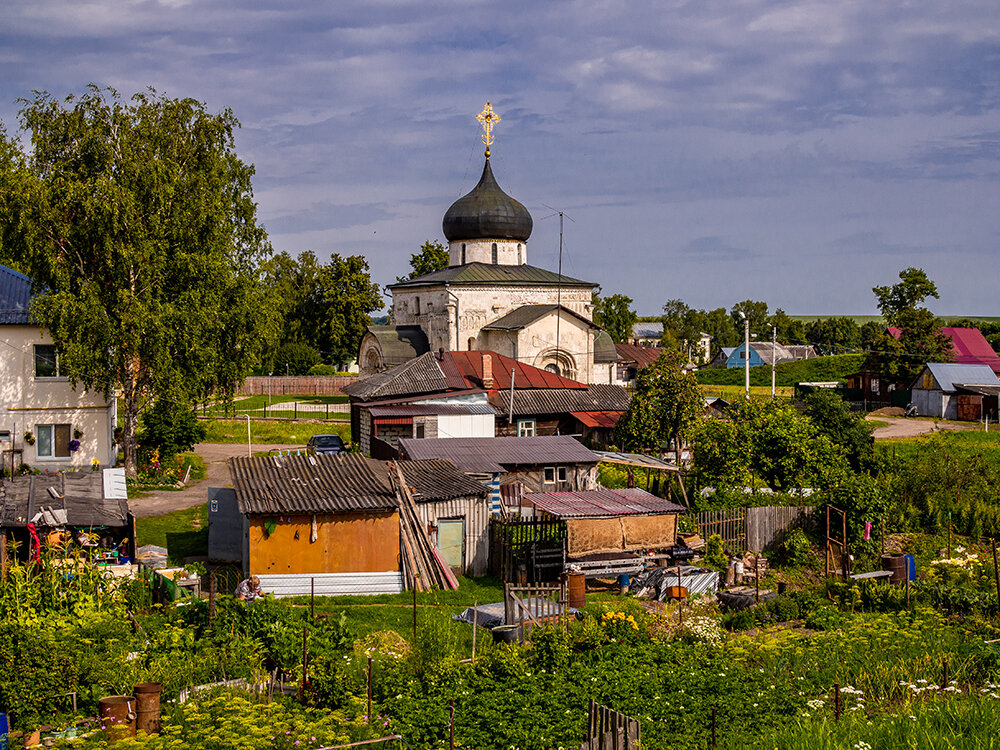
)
(346, 543)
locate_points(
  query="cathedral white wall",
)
(481, 251)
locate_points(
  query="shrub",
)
(796, 550)
(170, 427)
(715, 553)
(294, 358)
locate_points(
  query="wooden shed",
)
(332, 521)
(604, 520)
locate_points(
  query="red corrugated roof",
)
(598, 418)
(601, 503)
(641, 355)
(970, 346)
(469, 366)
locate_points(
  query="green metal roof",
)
(527, 314)
(490, 274)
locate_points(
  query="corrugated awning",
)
(598, 418)
(636, 459)
(601, 503)
(392, 420)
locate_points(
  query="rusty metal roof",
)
(425, 409)
(337, 483)
(598, 418)
(497, 455)
(602, 503)
(641, 355)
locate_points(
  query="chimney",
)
(441, 354)
(488, 372)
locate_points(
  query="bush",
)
(796, 550)
(294, 358)
(322, 369)
(715, 553)
(170, 427)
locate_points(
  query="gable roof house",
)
(969, 347)
(956, 391)
(335, 519)
(469, 394)
(45, 422)
(767, 353)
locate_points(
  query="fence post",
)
(836, 700)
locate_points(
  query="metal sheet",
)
(332, 584)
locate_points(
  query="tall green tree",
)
(349, 297)
(136, 220)
(756, 312)
(666, 404)
(433, 256)
(789, 330)
(833, 418)
(769, 442)
(920, 339)
(615, 315)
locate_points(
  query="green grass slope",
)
(818, 369)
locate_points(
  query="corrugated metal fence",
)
(295, 385)
(753, 529)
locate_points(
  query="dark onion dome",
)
(487, 213)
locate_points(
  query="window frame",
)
(52, 440)
(561, 474)
(34, 363)
(524, 424)
(549, 471)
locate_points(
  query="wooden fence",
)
(530, 606)
(767, 526)
(608, 729)
(753, 529)
(295, 385)
(529, 550)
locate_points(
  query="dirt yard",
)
(900, 427)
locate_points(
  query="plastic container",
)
(4, 729)
(911, 567)
(506, 633)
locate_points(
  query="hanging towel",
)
(868, 530)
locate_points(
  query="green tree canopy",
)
(137, 223)
(920, 339)
(833, 418)
(615, 315)
(433, 256)
(665, 406)
(765, 442)
(756, 313)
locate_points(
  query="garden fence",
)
(753, 529)
(608, 729)
(529, 550)
(295, 385)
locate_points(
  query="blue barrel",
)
(911, 567)
(4, 729)
(623, 581)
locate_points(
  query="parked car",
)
(326, 444)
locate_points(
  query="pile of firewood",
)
(423, 567)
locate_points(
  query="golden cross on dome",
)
(489, 119)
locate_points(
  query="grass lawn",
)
(271, 405)
(730, 392)
(184, 533)
(268, 431)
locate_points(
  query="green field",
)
(818, 369)
(268, 431)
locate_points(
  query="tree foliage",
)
(765, 442)
(682, 323)
(170, 426)
(433, 256)
(920, 339)
(295, 358)
(615, 315)
(137, 223)
(326, 307)
(665, 406)
(833, 418)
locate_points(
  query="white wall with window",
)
(42, 414)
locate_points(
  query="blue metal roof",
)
(947, 374)
(15, 297)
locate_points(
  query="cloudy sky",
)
(796, 152)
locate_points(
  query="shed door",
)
(451, 541)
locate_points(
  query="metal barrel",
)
(577, 590)
(896, 564)
(117, 714)
(147, 707)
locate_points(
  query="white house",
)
(947, 390)
(45, 422)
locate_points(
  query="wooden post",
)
(949, 527)
(847, 555)
(415, 575)
(907, 576)
(451, 724)
(312, 598)
(756, 566)
(944, 676)
(475, 623)
(3, 542)
(305, 656)
(680, 603)
(369, 690)
(883, 535)
(211, 597)
(996, 572)
(836, 700)
(826, 562)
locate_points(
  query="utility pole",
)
(774, 356)
(746, 352)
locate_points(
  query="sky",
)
(793, 152)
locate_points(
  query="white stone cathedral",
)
(490, 298)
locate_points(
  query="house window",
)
(518, 252)
(416, 305)
(526, 428)
(418, 431)
(463, 253)
(46, 361)
(4, 436)
(561, 473)
(52, 440)
(549, 475)
(494, 253)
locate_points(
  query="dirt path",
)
(910, 427)
(216, 475)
